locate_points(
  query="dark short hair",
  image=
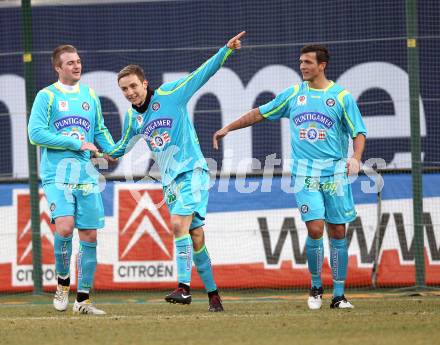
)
(322, 54)
(56, 53)
(132, 69)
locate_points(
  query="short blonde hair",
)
(64, 48)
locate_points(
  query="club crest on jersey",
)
(312, 134)
(63, 106)
(85, 106)
(330, 102)
(139, 120)
(74, 133)
(158, 140)
(155, 106)
(301, 100)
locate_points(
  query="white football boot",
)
(61, 298)
(315, 298)
(340, 302)
(87, 307)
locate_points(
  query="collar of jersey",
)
(322, 90)
(63, 90)
(143, 108)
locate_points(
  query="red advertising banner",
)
(251, 249)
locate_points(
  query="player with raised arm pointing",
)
(161, 117)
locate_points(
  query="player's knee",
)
(336, 231)
(88, 235)
(177, 227)
(198, 238)
(315, 231)
(64, 227)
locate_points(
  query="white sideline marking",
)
(111, 317)
(45, 318)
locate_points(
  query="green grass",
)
(250, 318)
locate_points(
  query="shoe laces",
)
(61, 292)
(87, 304)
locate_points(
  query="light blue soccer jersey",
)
(60, 120)
(321, 122)
(166, 126)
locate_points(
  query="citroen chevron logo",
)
(24, 234)
(140, 223)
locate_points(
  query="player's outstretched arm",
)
(128, 138)
(248, 119)
(186, 87)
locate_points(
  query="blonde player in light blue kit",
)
(161, 118)
(322, 116)
(65, 121)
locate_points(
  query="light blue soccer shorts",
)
(82, 201)
(188, 194)
(326, 197)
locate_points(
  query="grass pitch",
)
(250, 318)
